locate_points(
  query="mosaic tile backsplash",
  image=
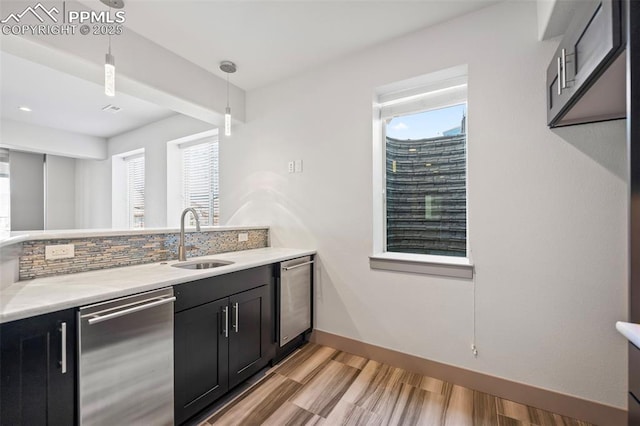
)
(110, 252)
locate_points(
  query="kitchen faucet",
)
(182, 252)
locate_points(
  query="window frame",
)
(404, 98)
(185, 146)
(120, 188)
(130, 205)
(176, 196)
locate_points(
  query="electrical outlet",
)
(243, 236)
(291, 167)
(59, 251)
(298, 166)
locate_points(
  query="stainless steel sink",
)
(201, 264)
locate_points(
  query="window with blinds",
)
(424, 174)
(5, 192)
(135, 190)
(200, 180)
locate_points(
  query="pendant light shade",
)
(227, 121)
(110, 60)
(229, 68)
(110, 75)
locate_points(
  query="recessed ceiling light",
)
(24, 108)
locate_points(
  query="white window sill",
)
(423, 264)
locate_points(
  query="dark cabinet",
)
(586, 78)
(200, 358)
(250, 333)
(223, 335)
(38, 370)
(634, 410)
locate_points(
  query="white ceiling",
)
(65, 102)
(273, 40)
(268, 40)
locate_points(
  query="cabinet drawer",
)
(206, 290)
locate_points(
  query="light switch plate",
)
(298, 166)
(291, 166)
(59, 251)
(243, 236)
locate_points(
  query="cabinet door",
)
(201, 357)
(250, 333)
(634, 410)
(593, 40)
(37, 368)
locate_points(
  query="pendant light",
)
(110, 73)
(228, 67)
(110, 60)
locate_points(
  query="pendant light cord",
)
(109, 34)
(227, 90)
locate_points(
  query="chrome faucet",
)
(182, 250)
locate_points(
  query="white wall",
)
(60, 193)
(30, 138)
(153, 138)
(547, 210)
(93, 194)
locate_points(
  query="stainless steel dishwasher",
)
(126, 360)
(294, 298)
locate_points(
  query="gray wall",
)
(26, 172)
(61, 193)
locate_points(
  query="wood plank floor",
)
(319, 385)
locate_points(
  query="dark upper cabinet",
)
(586, 78)
(38, 370)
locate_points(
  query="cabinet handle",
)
(299, 265)
(564, 68)
(235, 319)
(63, 354)
(559, 76)
(155, 301)
(226, 321)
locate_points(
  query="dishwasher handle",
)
(288, 268)
(157, 302)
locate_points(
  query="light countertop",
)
(629, 330)
(43, 295)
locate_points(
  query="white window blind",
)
(200, 174)
(135, 190)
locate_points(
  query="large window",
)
(426, 182)
(5, 193)
(192, 178)
(420, 174)
(135, 191)
(128, 190)
(200, 180)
